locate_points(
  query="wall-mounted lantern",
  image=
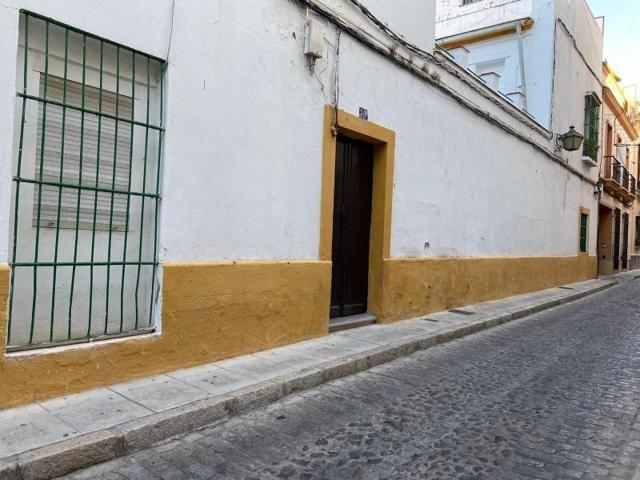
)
(570, 141)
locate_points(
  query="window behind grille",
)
(591, 126)
(71, 282)
(75, 136)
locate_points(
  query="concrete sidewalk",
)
(55, 437)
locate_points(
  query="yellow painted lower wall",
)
(209, 312)
(413, 287)
(4, 297)
(221, 310)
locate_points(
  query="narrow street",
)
(553, 396)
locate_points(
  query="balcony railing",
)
(617, 180)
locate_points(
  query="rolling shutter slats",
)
(73, 137)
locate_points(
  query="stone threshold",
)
(352, 321)
(55, 437)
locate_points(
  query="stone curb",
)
(80, 452)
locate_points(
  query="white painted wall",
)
(255, 193)
(240, 184)
(412, 19)
(478, 192)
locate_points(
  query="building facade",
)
(618, 227)
(227, 176)
(525, 49)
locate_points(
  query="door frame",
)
(383, 141)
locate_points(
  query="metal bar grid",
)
(89, 111)
(57, 241)
(51, 267)
(84, 187)
(81, 264)
(39, 186)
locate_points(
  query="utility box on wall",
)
(314, 39)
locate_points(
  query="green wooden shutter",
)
(584, 231)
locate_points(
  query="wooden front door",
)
(616, 239)
(351, 227)
(625, 240)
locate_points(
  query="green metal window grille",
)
(584, 231)
(86, 187)
(591, 127)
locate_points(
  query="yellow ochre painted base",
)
(213, 311)
(209, 312)
(414, 287)
(4, 297)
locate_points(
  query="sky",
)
(621, 36)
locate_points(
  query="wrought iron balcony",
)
(630, 192)
(617, 180)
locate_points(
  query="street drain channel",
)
(566, 288)
(431, 320)
(462, 312)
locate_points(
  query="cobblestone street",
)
(553, 396)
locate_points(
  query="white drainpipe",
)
(523, 77)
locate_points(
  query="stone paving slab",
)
(94, 410)
(75, 431)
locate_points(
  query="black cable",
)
(407, 65)
(417, 50)
(376, 21)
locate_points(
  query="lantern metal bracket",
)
(570, 141)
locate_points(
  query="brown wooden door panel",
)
(625, 240)
(616, 239)
(351, 227)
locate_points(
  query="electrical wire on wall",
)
(391, 52)
(398, 38)
(401, 41)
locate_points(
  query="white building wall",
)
(463, 187)
(243, 148)
(411, 18)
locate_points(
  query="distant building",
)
(619, 225)
(543, 55)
